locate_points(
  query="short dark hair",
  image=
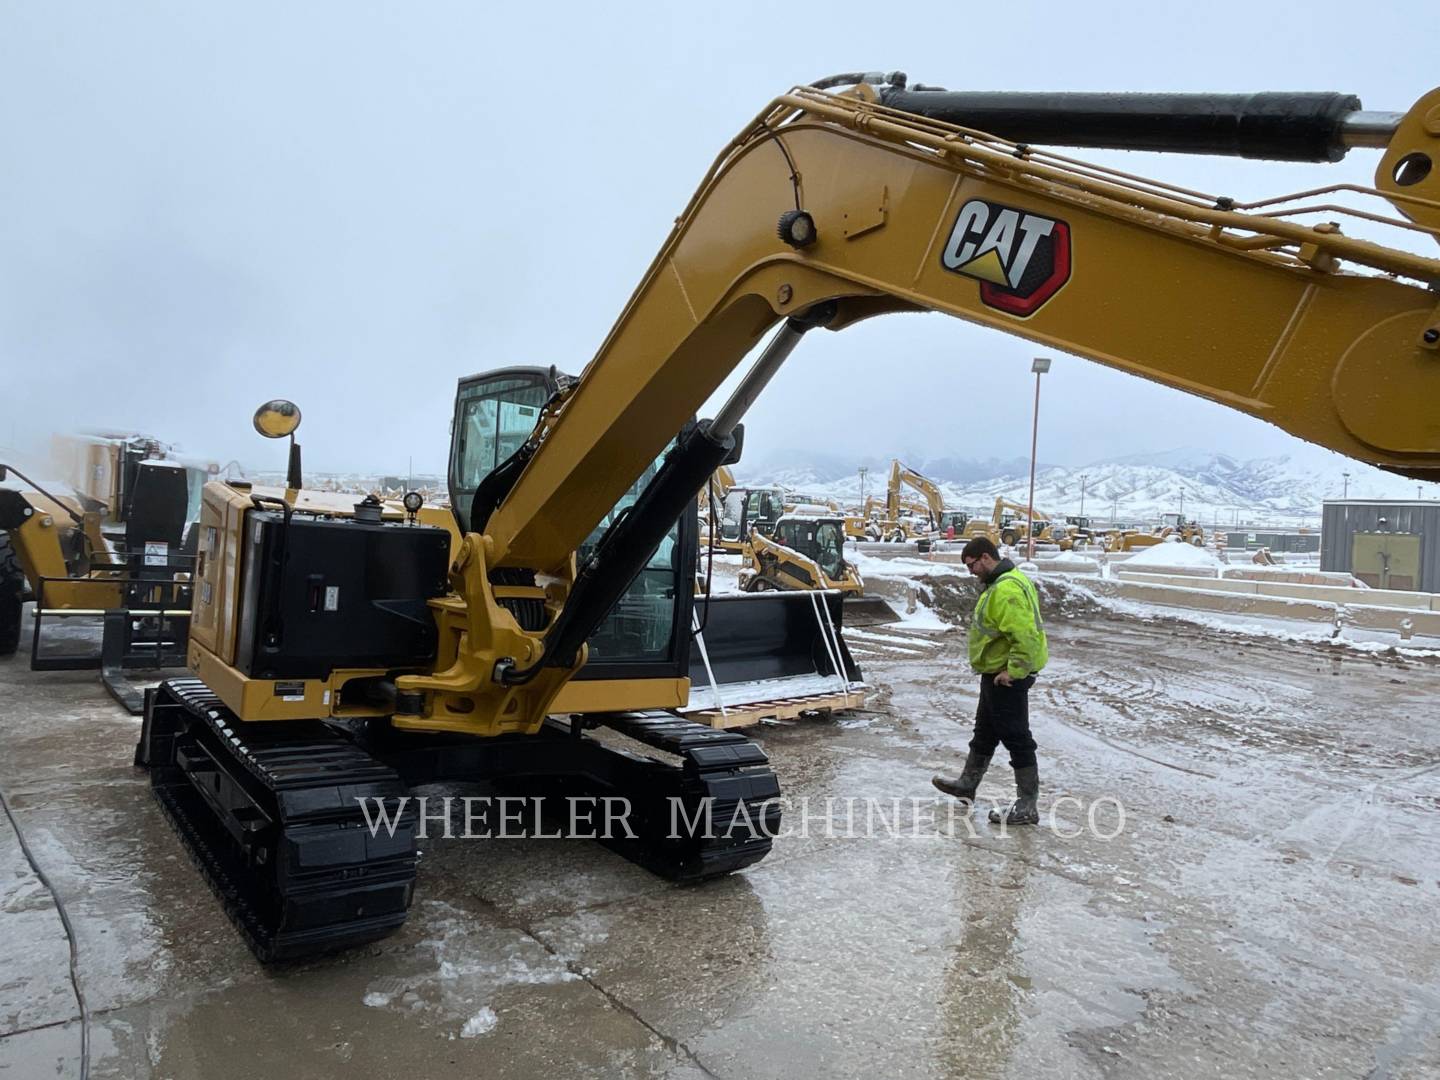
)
(980, 545)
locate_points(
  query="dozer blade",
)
(868, 611)
(750, 637)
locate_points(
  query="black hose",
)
(69, 936)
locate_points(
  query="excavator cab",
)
(647, 633)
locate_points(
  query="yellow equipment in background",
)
(827, 209)
(116, 555)
(746, 511)
(1009, 524)
(49, 542)
(899, 521)
(1189, 531)
(805, 551)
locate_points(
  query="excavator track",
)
(713, 812)
(716, 813)
(271, 814)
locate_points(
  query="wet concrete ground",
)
(1268, 906)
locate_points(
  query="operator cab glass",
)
(732, 514)
(494, 415)
(645, 634)
(830, 547)
(822, 541)
(763, 509)
(746, 509)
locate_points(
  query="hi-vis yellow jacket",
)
(1006, 631)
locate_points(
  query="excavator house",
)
(338, 658)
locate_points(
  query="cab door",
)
(647, 632)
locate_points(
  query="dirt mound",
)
(953, 598)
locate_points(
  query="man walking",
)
(1007, 648)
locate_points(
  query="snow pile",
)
(479, 1024)
(901, 568)
(1175, 554)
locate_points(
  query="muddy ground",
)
(1267, 905)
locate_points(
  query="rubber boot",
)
(963, 786)
(1025, 809)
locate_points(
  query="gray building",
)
(1390, 544)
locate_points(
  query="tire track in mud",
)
(901, 644)
(1207, 693)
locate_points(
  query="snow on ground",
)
(901, 568)
(1354, 638)
(922, 618)
(1069, 558)
(925, 619)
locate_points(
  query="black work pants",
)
(1003, 716)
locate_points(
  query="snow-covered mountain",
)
(1212, 487)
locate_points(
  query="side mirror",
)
(4, 471)
(275, 420)
(278, 418)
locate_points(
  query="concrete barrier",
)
(1066, 566)
(1403, 622)
(1412, 601)
(1166, 578)
(1233, 598)
(1176, 571)
(1207, 599)
(1290, 576)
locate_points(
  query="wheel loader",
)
(337, 661)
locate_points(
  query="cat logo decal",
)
(1020, 259)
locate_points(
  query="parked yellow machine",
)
(887, 200)
(1009, 523)
(48, 536)
(804, 551)
(909, 520)
(115, 553)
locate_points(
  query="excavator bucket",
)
(759, 637)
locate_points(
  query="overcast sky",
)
(351, 205)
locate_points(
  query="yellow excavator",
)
(900, 520)
(338, 661)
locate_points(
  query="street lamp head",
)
(1040, 365)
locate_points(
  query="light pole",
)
(1082, 494)
(1040, 366)
(863, 472)
(1182, 506)
(1346, 493)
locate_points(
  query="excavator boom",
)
(910, 213)
(828, 209)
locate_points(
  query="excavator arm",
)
(903, 474)
(828, 209)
